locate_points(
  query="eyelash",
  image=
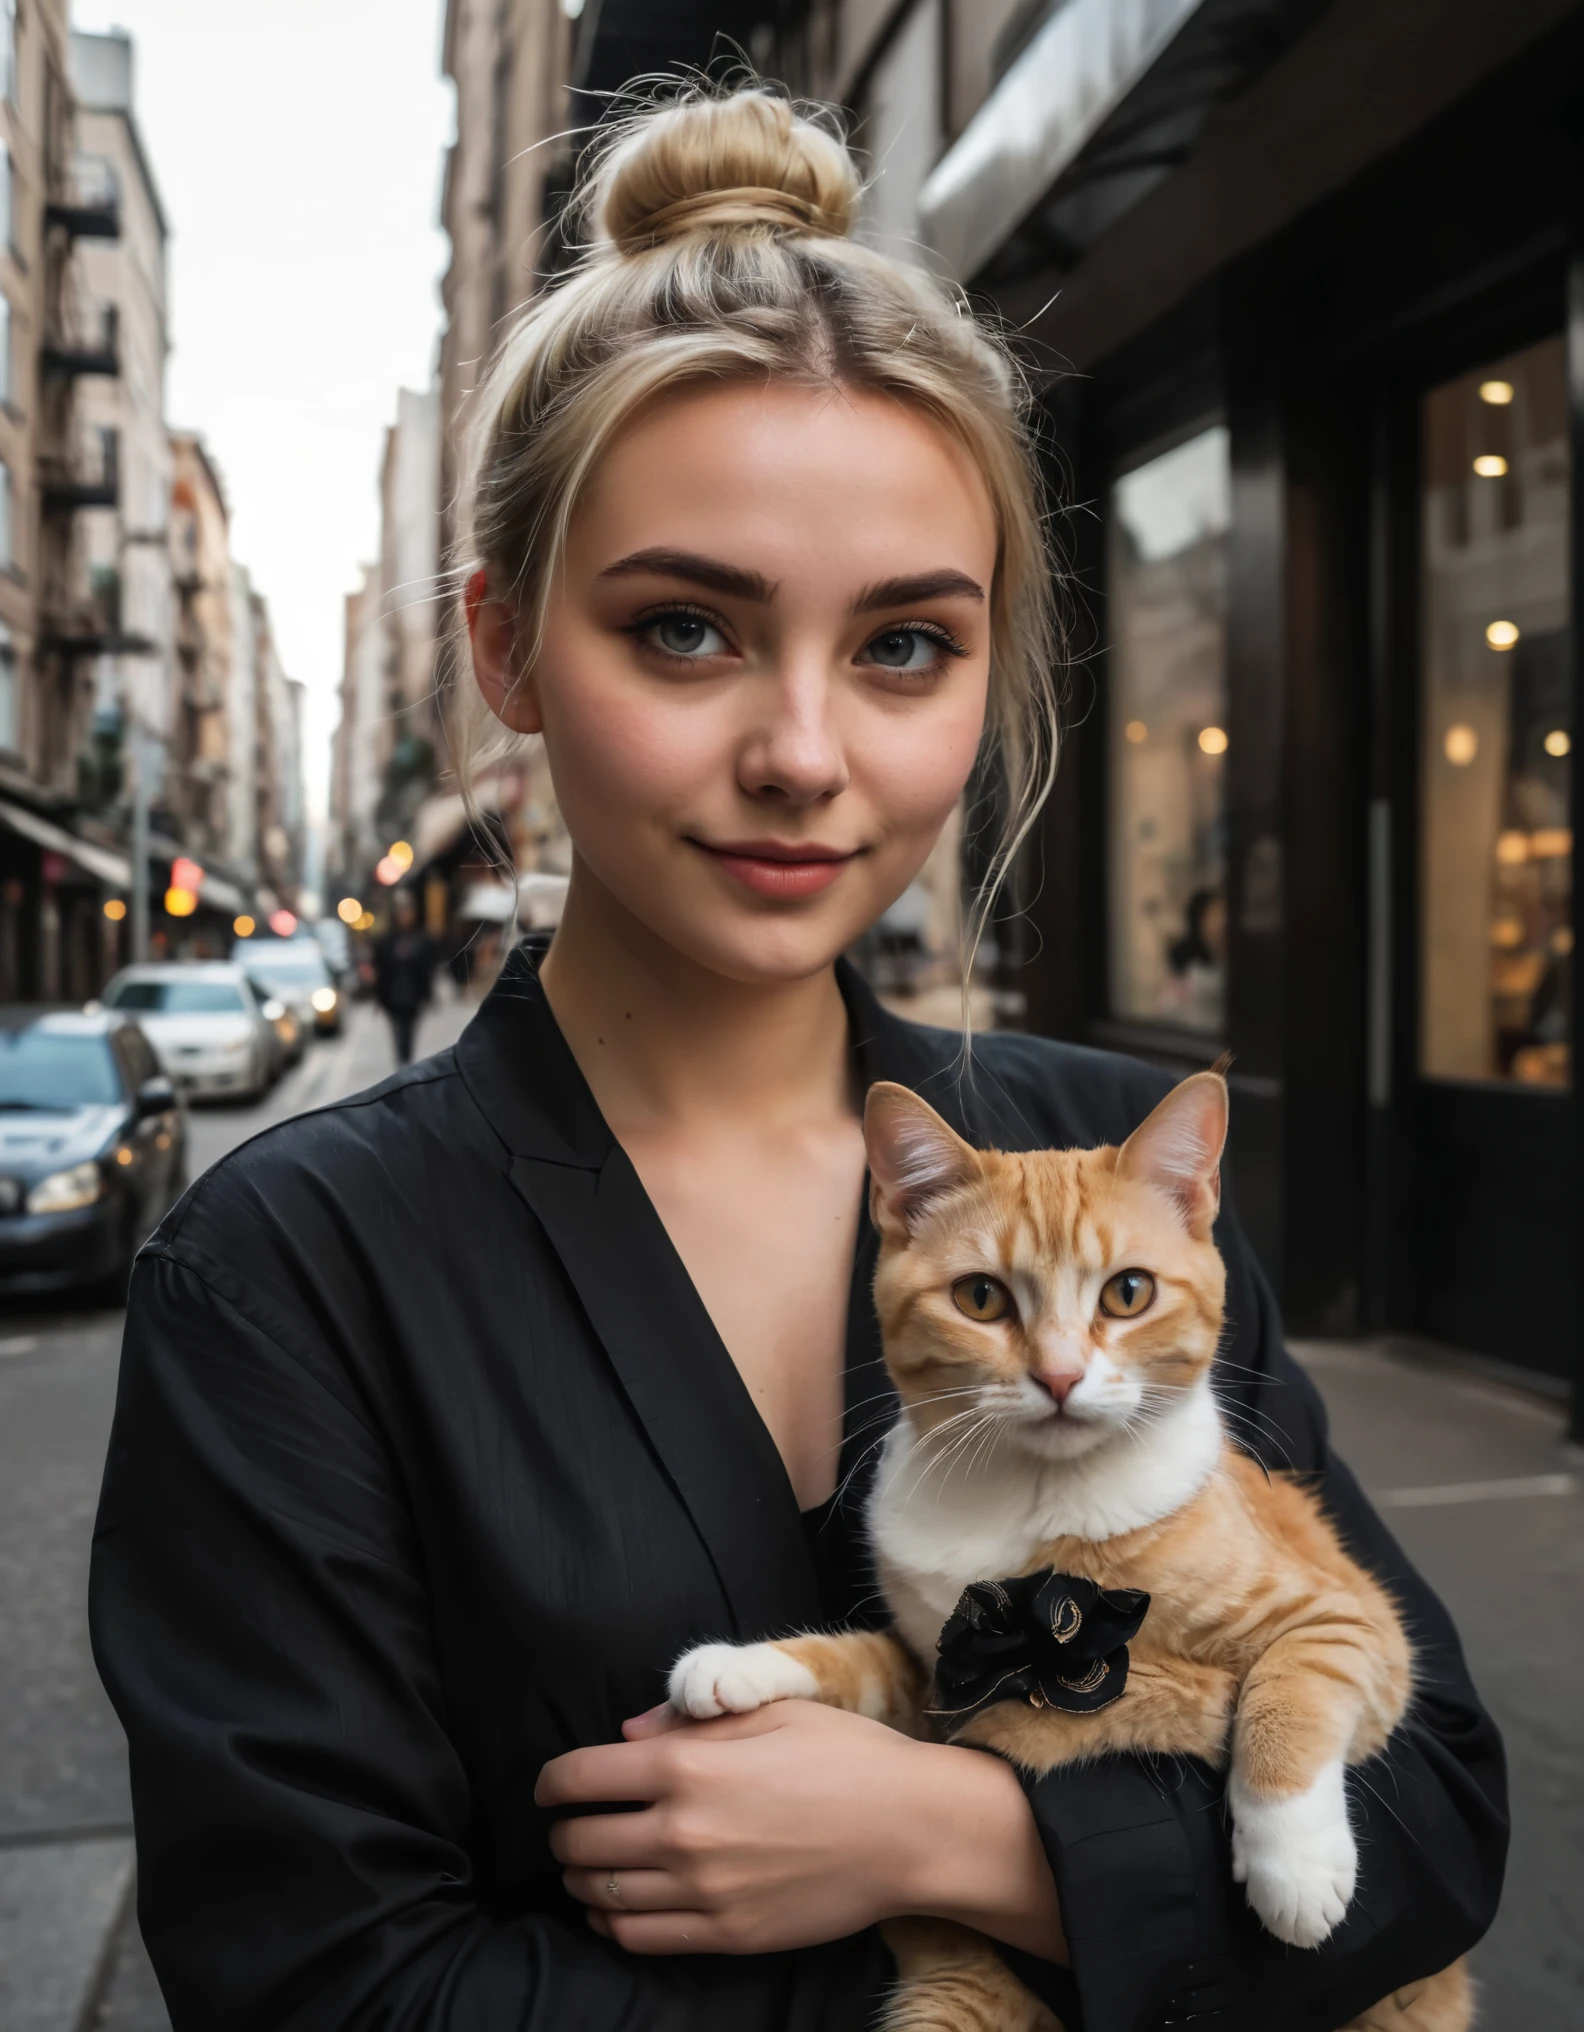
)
(641, 631)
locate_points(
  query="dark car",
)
(93, 1148)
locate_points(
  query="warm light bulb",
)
(1461, 744)
(1497, 393)
(115, 909)
(1490, 465)
(1558, 742)
(243, 926)
(1136, 731)
(1213, 740)
(179, 902)
(349, 910)
(1512, 849)
(402, 854)
(1502, 634)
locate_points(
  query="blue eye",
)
(688, 635)
(908, 649)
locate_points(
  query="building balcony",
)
(90, 625)
(85, 349)
(67, 484)
(88, 206)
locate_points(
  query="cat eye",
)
(1127, 1294)
(982, 1298)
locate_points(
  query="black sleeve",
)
(1159, 1933)
(260, 1619)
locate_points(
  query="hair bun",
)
(707, 165)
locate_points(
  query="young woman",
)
(452, 1414)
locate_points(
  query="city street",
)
(1472, 1474)
(70, 1956)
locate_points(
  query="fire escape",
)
(78, 470)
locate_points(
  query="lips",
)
(779, 868)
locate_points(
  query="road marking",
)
(1479, 1492)
(21, 1344)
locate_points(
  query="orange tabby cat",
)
(1050, 1321)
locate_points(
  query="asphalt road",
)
(1472, 1475)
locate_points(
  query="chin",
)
(1063, 1439)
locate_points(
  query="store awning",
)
(1107, 99)
(100, 862)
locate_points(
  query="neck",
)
(663, 1039)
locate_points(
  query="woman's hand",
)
(794, 1825)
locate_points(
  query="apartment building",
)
(200, 776)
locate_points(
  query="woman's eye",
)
(1127, 1294)
(906, 649)
(982, 1298)
(685, 635)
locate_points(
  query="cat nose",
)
(1059, 1383)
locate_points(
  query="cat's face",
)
(1053, 1299)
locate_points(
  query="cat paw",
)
(717, 1679)
(1296, 1856)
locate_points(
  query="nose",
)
(1059, 1381)
(795, 753)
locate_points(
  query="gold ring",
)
(613, 1889)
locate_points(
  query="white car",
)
(294, 971)
(205, 1023)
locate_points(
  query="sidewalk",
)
(1478, 1484)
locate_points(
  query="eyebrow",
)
(908, 592)
(730, 579)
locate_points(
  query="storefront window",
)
(1166, 570)
(1497, 842)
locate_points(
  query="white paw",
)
(717, 1679)
(1297, 1856)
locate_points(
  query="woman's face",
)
(764, 671)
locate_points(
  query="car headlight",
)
(63, 1191)
(324, 1000)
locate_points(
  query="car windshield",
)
(179, 998)
(290, 969)
(40, 1069)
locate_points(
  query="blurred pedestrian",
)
(404, 964)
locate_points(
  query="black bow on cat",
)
(1048, 1638)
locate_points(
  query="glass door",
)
(1496, 926)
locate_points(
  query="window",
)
(6, 390)
(8, 49)
(178, 998)
(1496, 821)
(1166, 584)
(7, 199)
(7, 554)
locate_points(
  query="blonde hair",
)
(715, 246)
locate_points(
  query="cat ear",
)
(1178, 1149)
(914, 1158)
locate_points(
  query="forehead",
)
(802, 484)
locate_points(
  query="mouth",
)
(779, 868)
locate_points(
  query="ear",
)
(914, 1159)
(492, 635)
(1178, 1150)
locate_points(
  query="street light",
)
(349, 910)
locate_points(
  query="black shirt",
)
(427, 1463)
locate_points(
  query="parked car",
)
(205, 1022)
(295, 970)
(289, 1034)
(93, 1148)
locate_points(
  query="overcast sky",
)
(297, 147)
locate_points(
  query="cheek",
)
(618, 752)
(913, 765)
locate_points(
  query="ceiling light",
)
(1490, 465)
(1497, 393)
(1136, 731)
(1461, 744)
(1502, 634)
(1558, 742)
(1213, 740)
(1512, 849)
